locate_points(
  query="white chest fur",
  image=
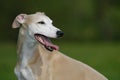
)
(22, 69)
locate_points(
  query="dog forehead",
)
(33, 18)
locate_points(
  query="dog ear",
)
(20, 19)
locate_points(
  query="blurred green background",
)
(91, 27)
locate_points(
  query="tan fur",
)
(35, 62)
(21, 38)
(56, 66)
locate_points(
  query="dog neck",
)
(26, 46)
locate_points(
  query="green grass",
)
(7, 61)
(104, 57)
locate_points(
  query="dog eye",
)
(41, 22)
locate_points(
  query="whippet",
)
(39, 58)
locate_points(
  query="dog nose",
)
(59, 34)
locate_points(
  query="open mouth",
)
(45, 41)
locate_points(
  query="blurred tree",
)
(79, 19)
(102, 7)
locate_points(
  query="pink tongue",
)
(48, 43)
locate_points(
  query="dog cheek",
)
(32, 31)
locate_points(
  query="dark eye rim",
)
(41, 22)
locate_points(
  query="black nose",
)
(59, 34)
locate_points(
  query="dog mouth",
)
(45, 41)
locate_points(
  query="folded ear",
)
(20, 19)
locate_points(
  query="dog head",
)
(38, 26)
(37, 23)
